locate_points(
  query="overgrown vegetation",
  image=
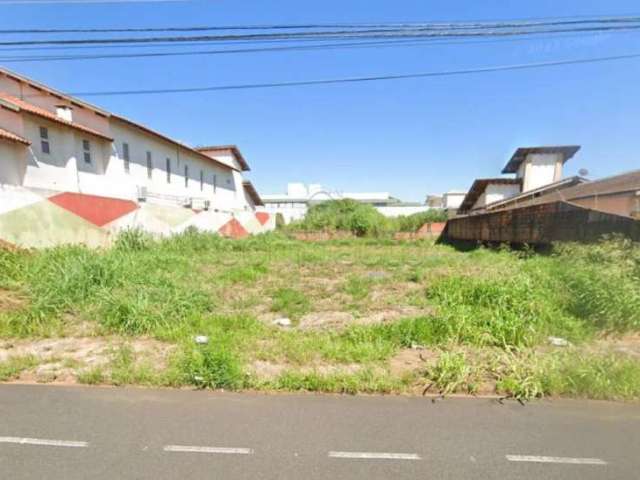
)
(473, 322)
(361, 220)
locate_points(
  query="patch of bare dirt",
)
(626, 345)
(325, 320)
(411, 359)
(4, 245)
(10, 301)
(60, 359)
(392, 315)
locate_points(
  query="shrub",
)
(344, 215)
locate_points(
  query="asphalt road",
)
(93, 433)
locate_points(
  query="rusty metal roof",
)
(523, 197)
(625, 182)
(520, 155)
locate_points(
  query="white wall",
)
(540, 169)
(63, 167)
(290, 212)
(140, 143)
(13, 162)
(496, 192)
(397, 211)
(453, 200)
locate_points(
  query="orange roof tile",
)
(6, 135)
(41, 112)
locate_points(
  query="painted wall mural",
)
(32, 218)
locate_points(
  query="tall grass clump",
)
(603, 282)
(450, 374)
(503, 312)
(211, 366)
(132, 240)
(597, 376)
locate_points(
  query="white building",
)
(536, 169)
(294, 204)
(52, 143)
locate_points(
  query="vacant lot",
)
(360, 315)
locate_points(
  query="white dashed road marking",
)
(44, 442)
(567, 460)
(375, 455)
(196, 449)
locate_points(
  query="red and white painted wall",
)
(73, 173)
(33, 218)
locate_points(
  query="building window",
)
(186, 176)
(44, 140)
(201, 180)
(149, 166)
(86, 151)
(214, 183)
(168, 170)
(126, 157)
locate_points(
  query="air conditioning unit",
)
(187, 202)
(142, 193)
(207, 204)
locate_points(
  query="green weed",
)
(451, 374)
(92, 376)
(14, 366)
(290, 302)
(211, 367)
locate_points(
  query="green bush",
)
(344, 215)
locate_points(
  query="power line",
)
(498, 68)
(325, 46)
(335, 34)
(433, 25)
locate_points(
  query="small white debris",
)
(282, 322)
(558, 342)
(417, 346)
(201, 339)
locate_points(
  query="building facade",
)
(52, 144)
(535, 169)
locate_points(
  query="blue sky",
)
(408, 137)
